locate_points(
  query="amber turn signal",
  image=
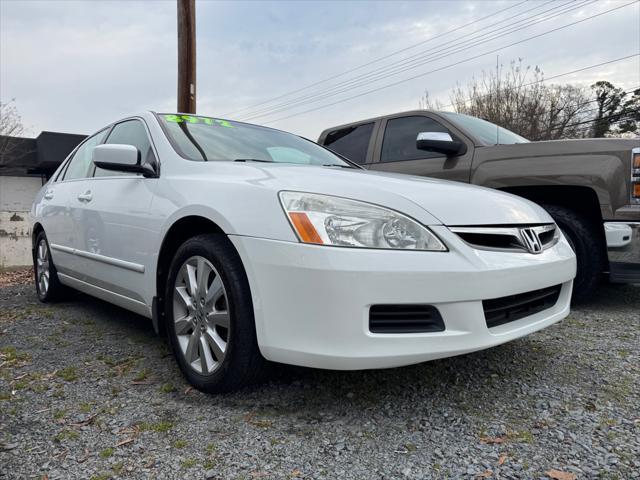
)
(636, 160)
(305, 229)
(636, 190)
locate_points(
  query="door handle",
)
(86, 196)
(48, 195)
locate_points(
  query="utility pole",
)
(187, 56)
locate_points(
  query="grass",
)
(521, 436)
(180, 443)
(101, 476)
(107, 452)
(167, 388)
(142, 375)
(58, 414)
(159, 427)
(189, 463)
(12, 355)
(68, 374)
(85, 407)
(67, 435)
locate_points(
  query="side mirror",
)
(121, 158)
(440, 142)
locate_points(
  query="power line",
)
(379, 59)
(419, 59)
(453, 64)
(557, 76)
(392, 65)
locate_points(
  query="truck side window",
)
(399, 142)
(351, 142)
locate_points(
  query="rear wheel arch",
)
(37, 228)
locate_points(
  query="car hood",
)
(448, 203)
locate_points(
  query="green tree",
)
(609, 107)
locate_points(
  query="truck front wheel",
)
(586, 241)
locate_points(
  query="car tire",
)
(213, 357)
(587, 245)
(45, 275)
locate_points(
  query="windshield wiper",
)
(253, 160)
(337, 165)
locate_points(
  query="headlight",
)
(327, 220)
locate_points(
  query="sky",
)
(301, 66)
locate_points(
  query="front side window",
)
(130, 132)
(488, 133)
(210, 139)
(400, 136)
(351, 142)
(80, 165)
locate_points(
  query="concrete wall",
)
(16, 196)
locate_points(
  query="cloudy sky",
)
(75, 66)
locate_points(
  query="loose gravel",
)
(88, 391)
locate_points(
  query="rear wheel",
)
(583, 236)
(209, 315)
(48, 287)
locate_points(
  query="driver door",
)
(396, 150)
(116, 229)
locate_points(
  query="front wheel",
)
(209, 315)
(582, 235)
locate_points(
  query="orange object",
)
(636, 160)
(636, 189)
(304, 227)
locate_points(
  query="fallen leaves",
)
(560, 475)
(492, 440)
(19, 276)
(125, 442)
(485, 474)
(87, 421)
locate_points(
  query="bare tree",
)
(10, 126)
(519, 101)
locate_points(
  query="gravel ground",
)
(88, 391)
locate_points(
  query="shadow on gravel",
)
(439, 378)
(471, 382)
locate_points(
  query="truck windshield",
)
(211, 139)
(487, 132)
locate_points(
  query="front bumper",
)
(312, 303)
(623, 250)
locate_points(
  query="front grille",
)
(405, 319)
(499, 311)
(508, 238)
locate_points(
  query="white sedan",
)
(245, 244)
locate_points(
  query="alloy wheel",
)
(201, 315)
(43, 266)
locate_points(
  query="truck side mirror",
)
(440, 142)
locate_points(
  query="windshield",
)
(487, 132)
(211, 139)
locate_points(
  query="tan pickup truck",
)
(591, 187)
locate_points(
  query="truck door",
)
(395, 149)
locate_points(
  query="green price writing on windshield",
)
(194, 119)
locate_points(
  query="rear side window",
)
(130, 132)
(80, 165)
(399, 141)
(351, 142)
